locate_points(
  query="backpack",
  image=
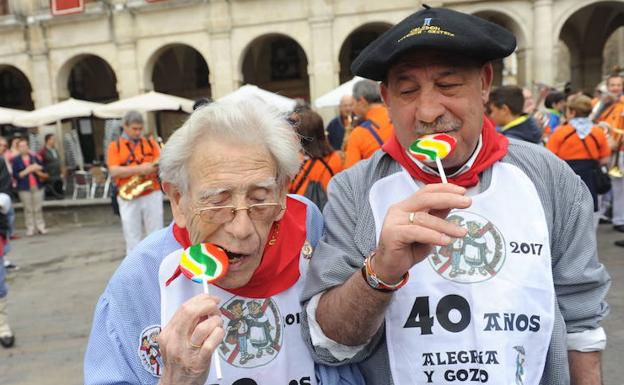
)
(315, 191)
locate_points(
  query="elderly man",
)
(374, 126)
(340, 126)
(225, 171)
(524, 298)
(132, 162)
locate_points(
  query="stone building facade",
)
(300, 48)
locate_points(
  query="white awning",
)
(70, 108)
(332, 98)
(150, 101)
(281, 103)
(8, 114)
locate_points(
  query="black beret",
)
(435, 28)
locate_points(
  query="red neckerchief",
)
(279, 268)
(493, 148)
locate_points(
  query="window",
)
(4, 7)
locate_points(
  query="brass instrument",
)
(347, 131)
(135, 186)
(600, 107)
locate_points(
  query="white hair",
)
(251, 122)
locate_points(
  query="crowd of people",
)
(401, 279)
(585, 131)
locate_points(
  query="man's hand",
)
(147, 168)
(188, 342)
(352, 313)
(403, 244)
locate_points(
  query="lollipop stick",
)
(215, 355)
(441, 170)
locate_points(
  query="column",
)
(221, 62)
(40, 71)
(543, 47)
(322, 67)
(127, 71)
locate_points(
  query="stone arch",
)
(613, 54)
(354, 43)
(513, 69)
(278, 63)
(87, 76)
(178, 69)
(585, 29)
(15, 88)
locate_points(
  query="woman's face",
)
(22, 147)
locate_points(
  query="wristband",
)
(377, 283)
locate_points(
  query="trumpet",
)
(135, 186)
(600, 108)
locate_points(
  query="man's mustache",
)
(440, 125)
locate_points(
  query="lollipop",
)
(203, 263)
(433, 148)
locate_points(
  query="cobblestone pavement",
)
(61, 275)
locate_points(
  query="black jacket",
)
(527, 131)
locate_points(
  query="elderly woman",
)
(28, 172)
(225, 171)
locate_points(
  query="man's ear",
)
(383, 90)
(282, 198)
(487, 76)
(177, 202)
(506, 110)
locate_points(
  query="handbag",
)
(602, 180)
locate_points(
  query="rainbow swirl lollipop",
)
(431, 147)
(204, 262)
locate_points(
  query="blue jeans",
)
(3, 287)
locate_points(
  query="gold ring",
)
(411, 217)
(194, 346)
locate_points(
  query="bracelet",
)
(377, 283)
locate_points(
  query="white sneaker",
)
(10, 265)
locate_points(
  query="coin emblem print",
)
(477, 257)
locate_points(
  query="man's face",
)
(222, 173)
(498, 114)
(51, 141)
(237, 310)
(3, 146)
(133, 130)
(615, 85)
(346, 106)
(426, 93)
(360, 107)
(529, 103)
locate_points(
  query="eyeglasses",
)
(223, 214)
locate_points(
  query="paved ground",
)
(62, 274)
